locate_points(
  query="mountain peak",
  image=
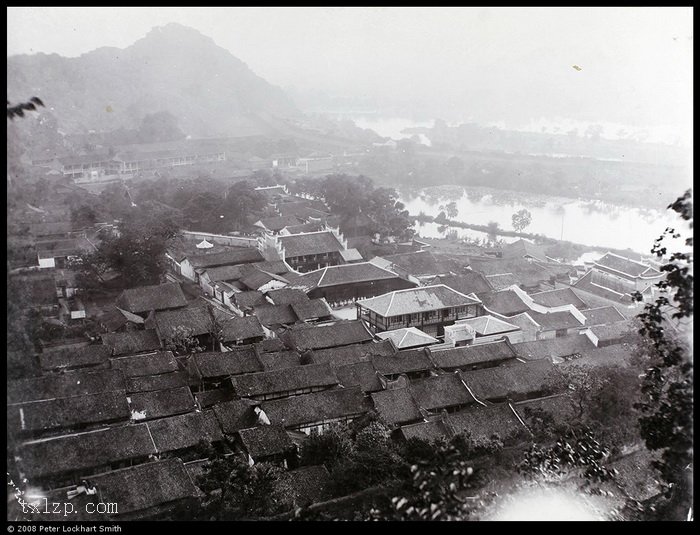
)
(174, 32)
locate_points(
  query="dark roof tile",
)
(131, 342)
(309, 409)
(150, 405)
(157, 297)
(479, 354)
(284, 380)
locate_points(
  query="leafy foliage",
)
(356, 456)
(235, 490)
(351, 196)
(521, 220)
(136, 251)
(578, 450)
(667, 404)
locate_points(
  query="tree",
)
(603, 398)
(492, 229)
(236, 491)
(182, 341)
(577, 450)
(667, 405)
(158, 127)
(136, 251)
(243, 203)
(521, 220)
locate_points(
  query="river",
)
(593, 223)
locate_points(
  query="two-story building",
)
(615, 278)
(429, 308)
(309, 251)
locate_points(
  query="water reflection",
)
(587, 222)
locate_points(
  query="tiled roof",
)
(602, 316)
(488, 325)
(504, 302)
(270, 315)
(284, 380)
(52, 414)
(516, 381)
(161, 403)
(278, 223)
(310, 244)
(197, 320)
(297, 411)
(149, 364)
(161, 381)
(271, 345)
(616, 331)
(408, 337)
(466, 283)
(245, 300)
(92, 355)
(343, 274)
(243, 255)
(184, 430)
(235, 415)
(256, 279)
(240, 329)
(415, 300)
(139, 490)
(229, 273)
(525, 272)
(626, 266)
(235, 362)
(503, 281)
(522, 248)
(313, 226)
(563, 346)
(484, 423)
(362, 374)
(280, 360)
(287, 296)
(312, 309)
(559, 297)
(338, 356)
(64, 385)
(321, 336)
(265, 440)
(147, 298)
(351, 255)
(467, 356)
(429, 431)
(420, 263)
(440, 392)
(587, 285)
(82, 451)
(396, 406)
(408, 361)
(556, 320)
(131, 342)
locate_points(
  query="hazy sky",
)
(509, 65)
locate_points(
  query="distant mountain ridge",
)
(173, 68)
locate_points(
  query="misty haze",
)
(487, 211)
